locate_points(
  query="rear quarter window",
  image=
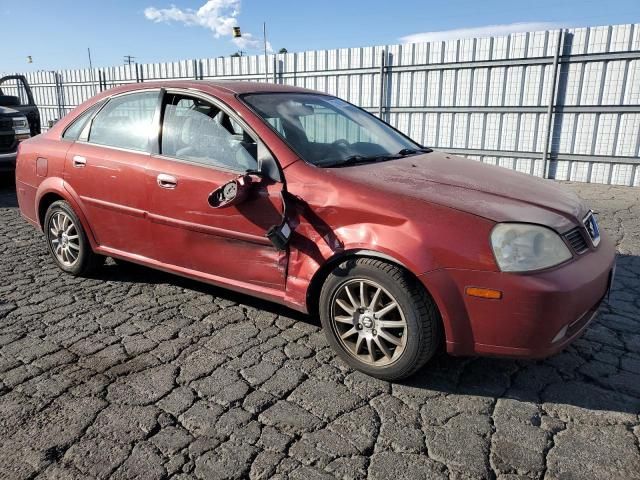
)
(74, 130)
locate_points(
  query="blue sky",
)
(56, 33)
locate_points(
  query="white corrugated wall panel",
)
(600, 172)
(605, 139)
(627, 144)
(612, 88)
(460, 126)
(622, 174)
(579, 172)
(476, 130)
(492, 131)
(610, 83)
(527, 132)
(584, 134)
(509, 132)
(562, 170)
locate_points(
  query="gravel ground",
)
(140, 374)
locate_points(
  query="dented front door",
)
(226, 243)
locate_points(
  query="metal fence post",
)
(552, 104)
(59, 98)
(102, 79)
(275, 62)
(383, 61)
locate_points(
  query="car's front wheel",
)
(67, 240)
(378, 318)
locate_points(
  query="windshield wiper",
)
(412, 151)
(362, 159)
(359, 159)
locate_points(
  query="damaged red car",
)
(301, 198)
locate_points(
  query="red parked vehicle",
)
(304, 199)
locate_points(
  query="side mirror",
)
(231, 193)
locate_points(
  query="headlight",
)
(519, 247)
(21, 127)
(20, 122)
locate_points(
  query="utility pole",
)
(91, 73)
(266, 64)
(128, 59)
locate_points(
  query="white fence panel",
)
(485, 98)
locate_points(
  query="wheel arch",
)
(54, 189)
(321, 274)
(45, 202)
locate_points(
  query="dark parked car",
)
(19, 118)
(304, 199)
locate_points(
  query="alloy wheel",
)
(369, 322)
(64, 238)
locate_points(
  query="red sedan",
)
(304, 199)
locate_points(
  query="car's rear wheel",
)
(378, 318)
(67, 240)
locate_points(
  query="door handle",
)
(79, 161)
(167, 181)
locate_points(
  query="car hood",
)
(8, 112)
(492, 192)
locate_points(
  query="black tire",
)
(86, 260)
(423, 322)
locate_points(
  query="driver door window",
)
(197, 131)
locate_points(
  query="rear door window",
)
(125, 122)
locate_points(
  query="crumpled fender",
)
(335, 218)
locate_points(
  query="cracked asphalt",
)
(139, 374)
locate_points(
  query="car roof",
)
(221, 88)
(226, 86)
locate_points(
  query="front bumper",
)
(539, 314)
(8, 161)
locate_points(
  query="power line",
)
(128, 59)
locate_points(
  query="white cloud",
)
(485, 31)
(219, 16)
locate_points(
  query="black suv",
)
(19, 118)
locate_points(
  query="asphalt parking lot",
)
(140, 374)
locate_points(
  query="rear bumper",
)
(539, 314)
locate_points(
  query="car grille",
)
(576, 240)
(7, 141)
(6, 123)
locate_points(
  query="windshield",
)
(329, 132)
